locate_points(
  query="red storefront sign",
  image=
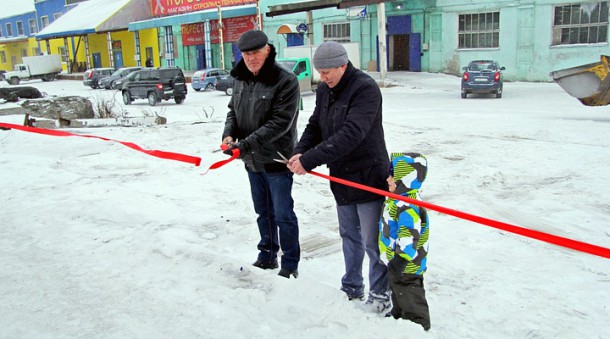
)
(172, 7)
(192, 34)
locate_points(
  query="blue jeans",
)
(359, 230)
(272, 197)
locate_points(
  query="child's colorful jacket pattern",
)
(404, 228)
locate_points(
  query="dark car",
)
(92, 76)
(225, 85)
(206, 78)
(483, 76)
(118, 83)
(156, 84)
(108, 81)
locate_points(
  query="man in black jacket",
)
(345, 132)
(261, 122)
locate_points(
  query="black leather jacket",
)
(263, 114)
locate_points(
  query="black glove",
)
(233, 150)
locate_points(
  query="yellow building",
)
(95, 34)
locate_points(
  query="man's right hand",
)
(294, 165)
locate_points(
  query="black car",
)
(156, 84)
(107, 82)
(118, 83)
(92, 76)
(483, 76)
(225, 84)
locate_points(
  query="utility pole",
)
(259, 17)
(381, 29)
(221, 40)
(309, 28)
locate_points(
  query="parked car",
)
(206, 78)
(225, 84)
(118, 83)
(483, 76)
(92, 76)
(107, 82)
(2, 74)
(156, 84)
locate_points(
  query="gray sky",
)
(15, 7)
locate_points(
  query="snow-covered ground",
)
(100, 241)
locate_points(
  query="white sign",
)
(358, 12)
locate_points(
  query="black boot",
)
(266, 265)
(286, 273)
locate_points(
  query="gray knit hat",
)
(252, 40)
(330, 54)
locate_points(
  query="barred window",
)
(9, 30)
(3, 57)
(44, 21)
(33, 26)
(585, 23)
(338, 32)
(20, 30)
(479, 30)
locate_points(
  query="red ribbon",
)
(546, 237)
(155, 153)
(234, 155)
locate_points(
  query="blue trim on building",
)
(208, 14)
(66, 34)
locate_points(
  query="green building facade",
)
(530, 38)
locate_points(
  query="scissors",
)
(284, 160)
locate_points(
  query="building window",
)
(479, 30)
(33, 26)
(56, 16)
(44, 21)
(1, 31)
(24, 52)
(337, 32)
(36, 51)
(585, 23)
(3, 57)
(9, 30)
(20, 30)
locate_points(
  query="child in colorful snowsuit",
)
(403, 239)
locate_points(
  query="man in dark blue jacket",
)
(345, 132)
(261, 122)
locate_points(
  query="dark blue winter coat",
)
(345, 132)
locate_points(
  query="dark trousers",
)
(408, 295)
(272, 198)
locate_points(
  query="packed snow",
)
(100, 241)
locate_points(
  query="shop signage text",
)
(192, 34)
(172, 7)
